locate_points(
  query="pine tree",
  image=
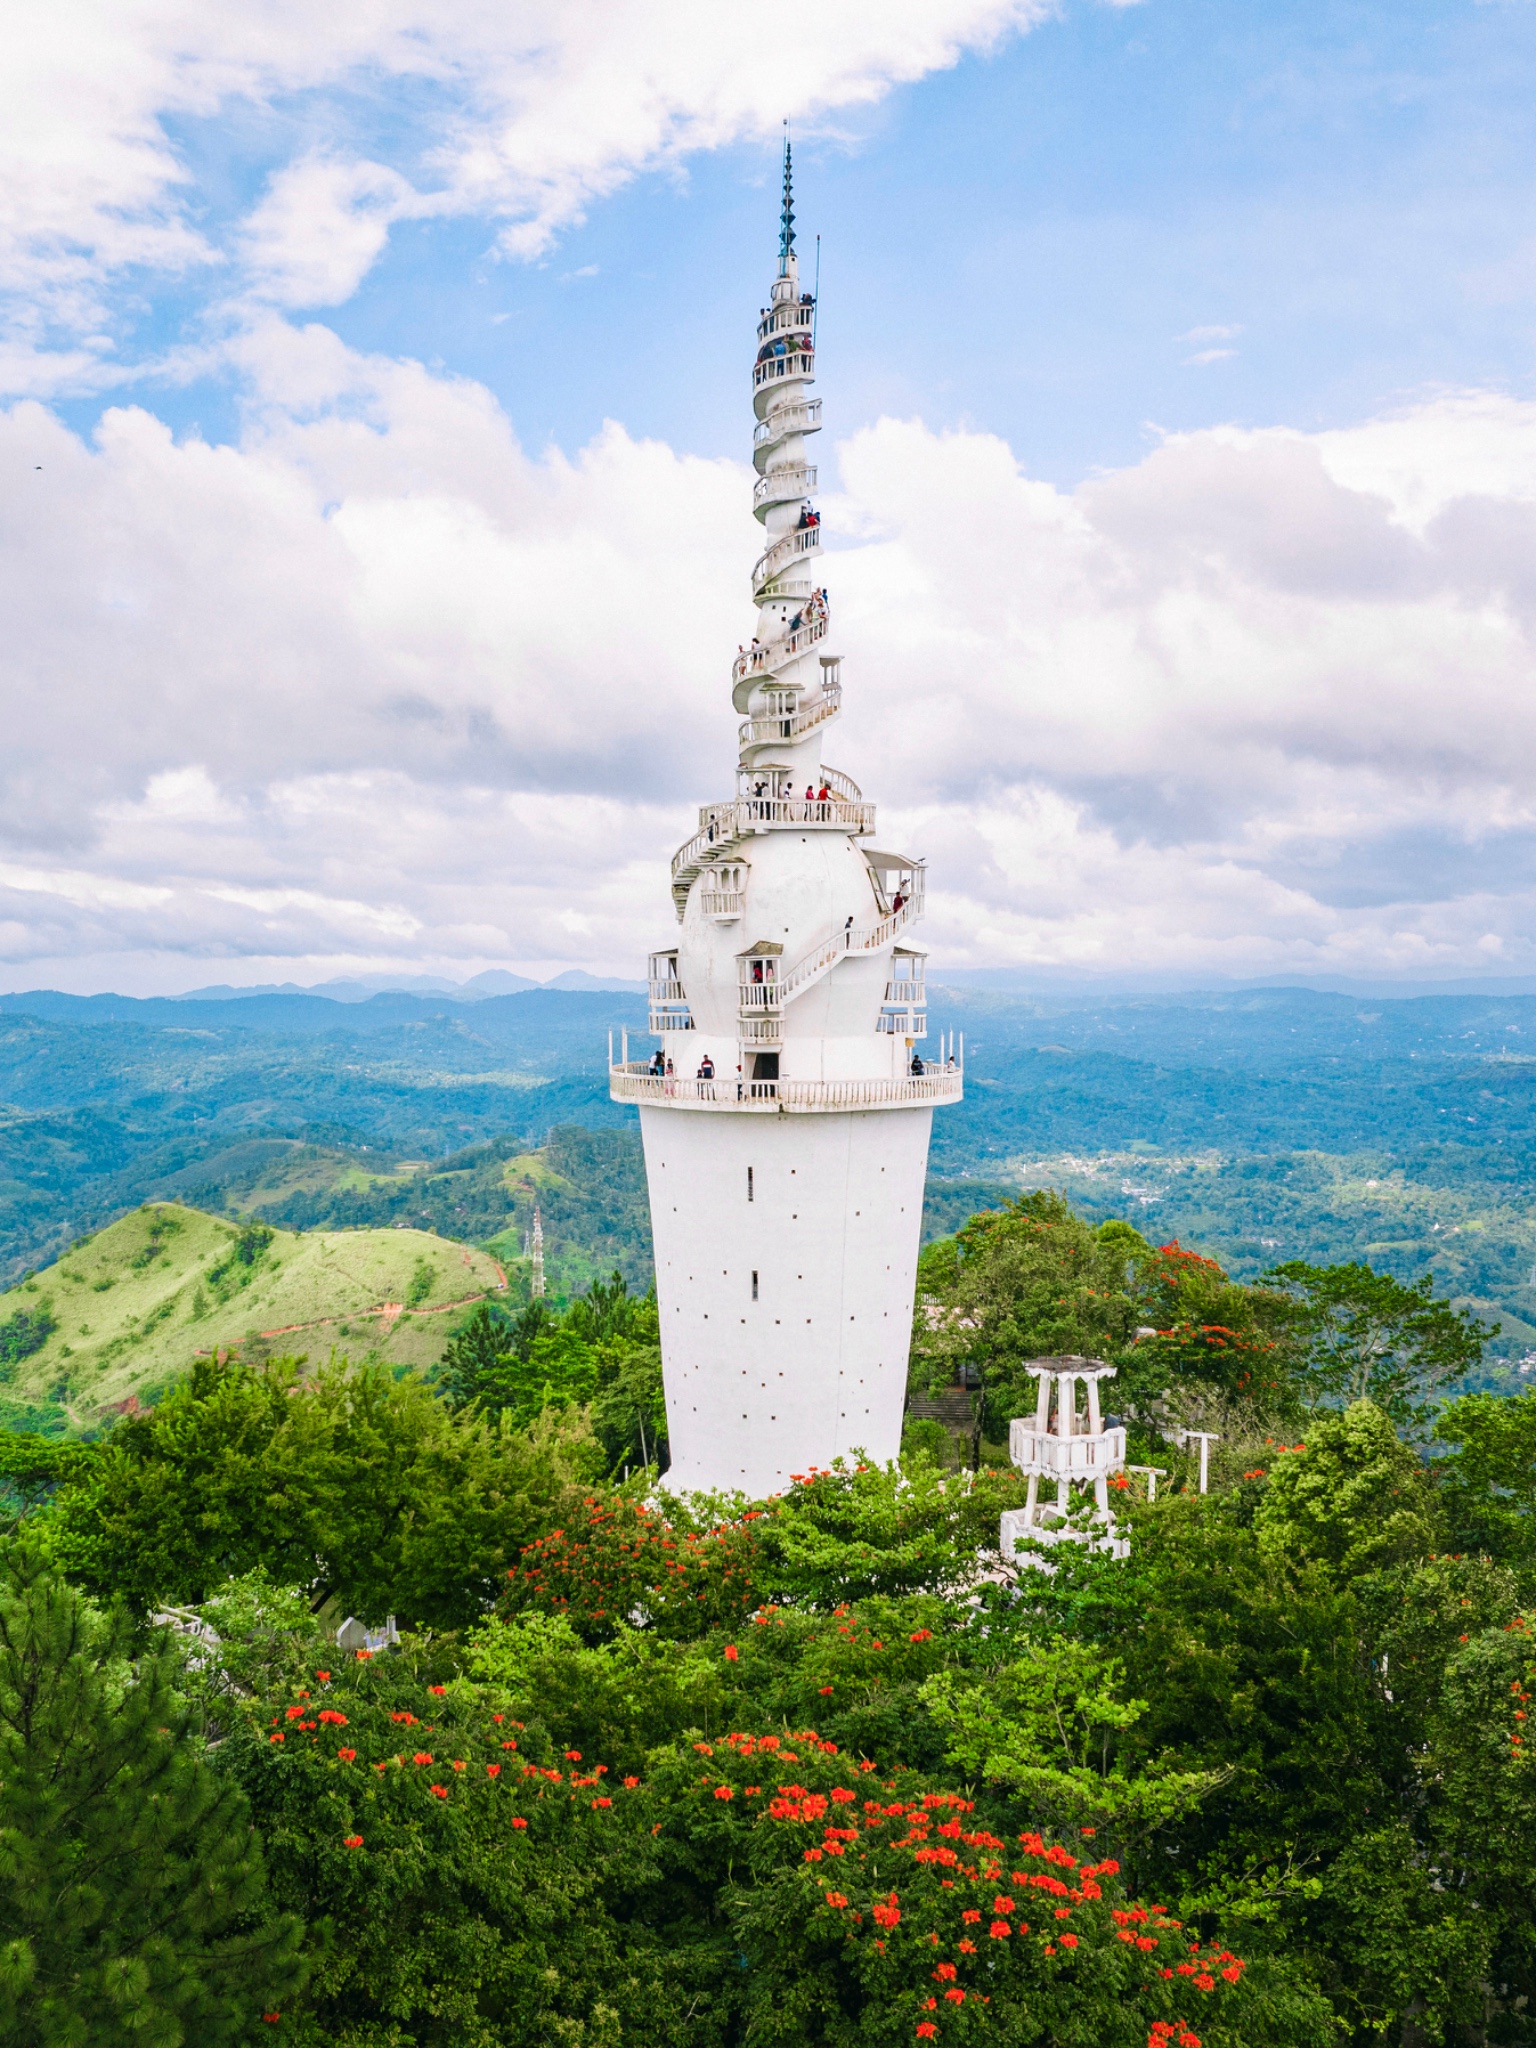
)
(132, 1887)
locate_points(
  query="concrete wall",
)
(816, 1365)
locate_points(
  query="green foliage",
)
(1049, 1724)
(603, 1351)
(1353, 1498)
(26, 1331)
(1488, 1481)
(360, 1487)
(423, 1277)
(132, 1890)
(1369, 1337)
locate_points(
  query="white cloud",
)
(376, 686)
(536, 111)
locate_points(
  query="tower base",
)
(786, 1264)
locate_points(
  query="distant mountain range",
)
(496, 981)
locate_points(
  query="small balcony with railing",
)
(723, 892)
(668, 999)
(783, 485)
(904, 1006)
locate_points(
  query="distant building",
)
(786, 1115)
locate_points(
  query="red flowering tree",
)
(615, 1559)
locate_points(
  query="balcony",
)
(761, 1033)
(725, 906)
(794, 725)
(786, 549)
(896, 1023)
(637, 1083)
(1065, 1457)
(791, 316)
(799, 362)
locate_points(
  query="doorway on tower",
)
(765, 1066)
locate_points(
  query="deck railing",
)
(790, 725)
(799, 416)
(800, 362)
(1036, 1450)
(777, 486)
(768, 656)
(800, 540)
(638, 1083)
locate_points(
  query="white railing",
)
(799, 416)
(911, 1023)
(638, 1083)
(798, 541)
(760, 1031)
(842, 785)
(793, 316)
(1037, 1450)
(679, 1018)
(667, 989)
(768, 656)
(722, 825)
(800, 362)
(789, 725)
(760, 995)
(774, 994)
(724, 904)
(793, 481)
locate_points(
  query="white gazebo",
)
(1068, 1444)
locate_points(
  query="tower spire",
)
(787, 215)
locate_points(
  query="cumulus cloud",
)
(535, 111)
(377, 687)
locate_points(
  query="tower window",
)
(749, 1184)
(754, 1283)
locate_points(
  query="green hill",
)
(125, 1311)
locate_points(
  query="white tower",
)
(786, 1115)
(1073, 1449)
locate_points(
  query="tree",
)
(1368, 1337)
(132, 1889)
(363, 1488)
(1488, 1481)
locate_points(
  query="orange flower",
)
(352, 1842)
(493, 1770)
(439, 1791)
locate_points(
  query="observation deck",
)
(773, 372)
(637, 1082)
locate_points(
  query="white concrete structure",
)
(786, 1115)
(1071, 1448)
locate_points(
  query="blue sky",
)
(373, 405)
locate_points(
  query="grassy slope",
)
(138, 1300)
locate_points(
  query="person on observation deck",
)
(917, 1063)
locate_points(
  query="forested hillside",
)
(1273, 1124)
